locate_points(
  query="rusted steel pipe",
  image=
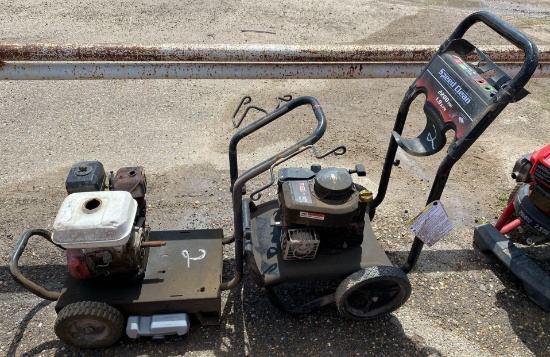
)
(191, 70)
(153, 244)
(239, 53)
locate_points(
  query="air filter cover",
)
(333, 181)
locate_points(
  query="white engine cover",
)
(101, 219)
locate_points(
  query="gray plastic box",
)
(157, 326)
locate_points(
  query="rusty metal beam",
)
(109, 61)
(191, 70)
(239, 53)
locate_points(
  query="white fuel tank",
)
(101, 219)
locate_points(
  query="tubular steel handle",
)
(268, 118)
(16, 273)
(237, 183)
(509, 33)
(461, 145)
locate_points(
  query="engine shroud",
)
(88, 220)
(312, 202)
(327, 201)
(103, 231)
(534, 169)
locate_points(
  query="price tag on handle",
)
(431, 224)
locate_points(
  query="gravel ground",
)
(463, 303)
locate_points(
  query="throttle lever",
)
(359, 170)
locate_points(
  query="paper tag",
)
(431, 224)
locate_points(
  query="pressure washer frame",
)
(507, 90)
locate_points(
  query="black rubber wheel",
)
(89, 324)
(372, 292)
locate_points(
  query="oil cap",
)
(365, 196)
(333, 183)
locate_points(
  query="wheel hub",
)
(372, 292)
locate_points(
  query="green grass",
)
(481, 220)
(502, 198)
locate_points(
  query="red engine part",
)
(77, 264)
(534, 170)
(541, 166)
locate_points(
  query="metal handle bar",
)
(509, 33)
(246, 100)
(16, 273)
(237, 183)
(460, 146)
(268, 118)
